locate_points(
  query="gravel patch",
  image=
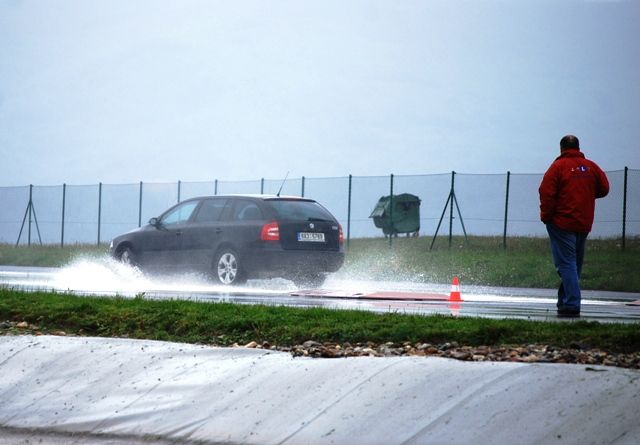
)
(533, 353)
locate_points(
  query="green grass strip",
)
(226, 323)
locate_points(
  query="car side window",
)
(179, 214)
(210, 210)
(247, 211)
(226, 213)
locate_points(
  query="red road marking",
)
(386, 295)
(326, 293)
(405, 296)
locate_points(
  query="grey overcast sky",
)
(122, 91)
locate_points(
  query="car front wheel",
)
(227, 268)
(126, 256)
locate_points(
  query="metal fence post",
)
(302, 187)
(262, 186)
(451, 200)
(99, 209)
(179, 184)
(140, 206)
(453, 180)
(391, 208)
(624, 209)
(349, 213)
(64, 197)
(215, 187)
(30, 213)
(506, 213)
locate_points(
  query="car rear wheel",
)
(227, 268)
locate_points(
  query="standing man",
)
(568, 193)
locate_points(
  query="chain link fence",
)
(489, 205)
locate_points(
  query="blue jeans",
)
(567, 249)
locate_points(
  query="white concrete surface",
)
(61, 390)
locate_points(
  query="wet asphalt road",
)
(106, 278)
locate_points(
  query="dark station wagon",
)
(237, 237)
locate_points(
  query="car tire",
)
(227, 268)
(126, 256)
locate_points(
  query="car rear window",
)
(298, 210)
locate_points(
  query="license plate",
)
(311, 237)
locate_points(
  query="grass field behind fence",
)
(483, 261)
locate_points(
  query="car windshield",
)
(298, 210)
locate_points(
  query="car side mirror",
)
(154, 222)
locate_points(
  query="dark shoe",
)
(568, 312)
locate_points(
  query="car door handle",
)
(218, 230)
(178, 232)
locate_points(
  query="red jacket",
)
(569, 190)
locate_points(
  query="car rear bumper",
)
(287, 263)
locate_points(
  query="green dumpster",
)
(405, 217)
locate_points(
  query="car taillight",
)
(270, 232)
(340, 235)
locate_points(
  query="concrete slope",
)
(93, 390)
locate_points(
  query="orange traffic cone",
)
(455, 290)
